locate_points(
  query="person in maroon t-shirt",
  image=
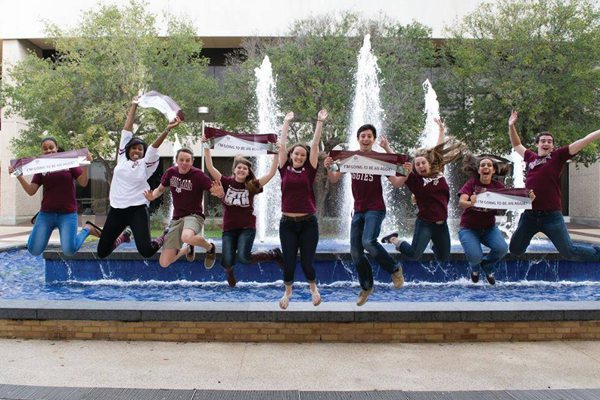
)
(299, 228)
(543, 178)
(369, 212)
(59, 205)
(239, 222)
(431, 194)
(478, 225)
(187, 185)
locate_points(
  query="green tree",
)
(540, 57)
(81, 95)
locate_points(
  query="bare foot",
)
(284, 302)
(316, 298)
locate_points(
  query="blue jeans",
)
(300, 235)
(424, 232)
(240, 241)
(471, 241)
(551, 224)
(46, 222)
(364, 231)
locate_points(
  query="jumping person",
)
(478, 225)
(431, 192)
(187, 184)
(136, 162)
(299, 228)
(59, 205)
(544, 169)
(239, 221)
(369, 212)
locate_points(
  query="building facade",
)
(223, 25)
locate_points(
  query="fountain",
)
(267, 205)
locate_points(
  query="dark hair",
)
(132, 142)
(50, 138)
(471, 163)
(252, 184)
(539, 135)
(291, 150)
(367, 127)
(184, 150)
(442, 154)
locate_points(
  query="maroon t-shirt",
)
(543, 176)
(432, 196)
(475, 217)
(186, 190)
(238, 205)
(367, 192)
(59, 190)
(297, 194)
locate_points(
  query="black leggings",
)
(118, 219)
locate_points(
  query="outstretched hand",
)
(512, 120)
(322, 116)
(216, 189)
(439, 122)
(288, 117)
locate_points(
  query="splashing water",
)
(267, 204)
(366, 109)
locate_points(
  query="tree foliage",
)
(81, 95)
(540, 57)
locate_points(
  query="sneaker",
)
(490, 278)
(127, 234)
(363, 296)
(278, 257)
(386, 238)
(230, 277)
(398, 278)
(159, 241)
(474, 277)
(211, 257)
(191, 254)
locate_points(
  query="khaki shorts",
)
(176, 227)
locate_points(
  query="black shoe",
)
(386, 239)
(474, 277)
(490, 278)
(211, 257)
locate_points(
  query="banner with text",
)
(368, 162)
(162, 103)
(504, 199)
(227, 144)
(49, 162)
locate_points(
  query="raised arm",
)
(284, 133)
(263, 180)
(441, 130)
(314, 146)
(578, 145)
(515, 141)
(216, 175)
(161, 138)
(385, 144)
(131, 115)
(83, 179)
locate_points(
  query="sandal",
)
(386, 239)
(96, 227)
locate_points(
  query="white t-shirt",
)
(130, 178)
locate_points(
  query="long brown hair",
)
(442, 154)
(471, 164)
(252, 184)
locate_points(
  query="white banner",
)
(42, 165)
(502, 201)
(232, 146)
(367, 165)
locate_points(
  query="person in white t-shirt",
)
(128, 206)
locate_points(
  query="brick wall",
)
(301, 332)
